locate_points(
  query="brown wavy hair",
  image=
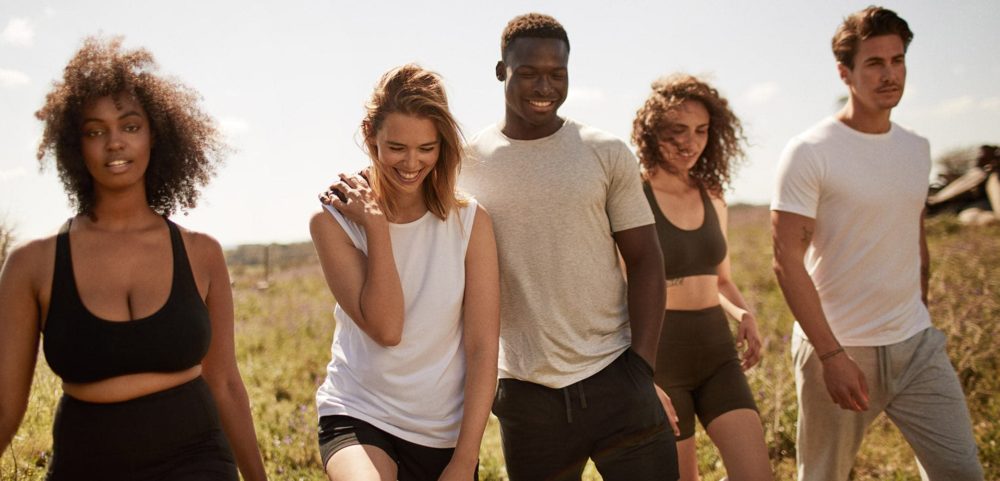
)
(864, 24)
(724, 149)
(413, 90)
(186, 143)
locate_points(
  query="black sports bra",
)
(81, 347)
(689, 252)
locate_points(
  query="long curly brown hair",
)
(724, 149)
(187, 145)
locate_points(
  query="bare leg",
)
(740, 439)
(361, 462)
(687, 459)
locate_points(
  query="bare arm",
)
(925, 259)
(367, 288)
(640, 251)
(219, 366)
(792, 235)
(18, 337)
(748, 335)
(480, 335)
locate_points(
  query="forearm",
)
(803, 300)
(237, 422)
(381, 300)
(646, 301)
(732, 301)
(480, 388)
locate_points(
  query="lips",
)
(407, 177)
(118, 165)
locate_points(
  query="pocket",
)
(637, 360)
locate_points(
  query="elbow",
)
(388, 337)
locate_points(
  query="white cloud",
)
(233, 126)
(586, 94)
(14, 173)
(956, 105)
(991, 104)
(13, 78)
(18, 32)
(761, 93)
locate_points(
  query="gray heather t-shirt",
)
(555, 203)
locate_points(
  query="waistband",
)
(696, 327)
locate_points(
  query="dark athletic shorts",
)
(415, 462)
(698, 367)
(613, 417)
(172, 434)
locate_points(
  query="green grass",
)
(283, 338)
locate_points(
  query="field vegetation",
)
(284, 331)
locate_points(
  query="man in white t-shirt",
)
(851, 258)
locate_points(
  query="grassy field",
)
(284, 332)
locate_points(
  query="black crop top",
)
(689, 252)
(81, 347)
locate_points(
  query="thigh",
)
(828, 437)
(635, 441)
(422, 463)
(931, 412)
(726, 389)
(539, 441)
(353, 449)
(740, 438)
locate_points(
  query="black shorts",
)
(698, 367)
(172, 434)
(414, 462)
(613, 417)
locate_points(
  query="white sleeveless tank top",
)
(413, 390)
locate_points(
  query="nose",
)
(115, 141)
(543, 86)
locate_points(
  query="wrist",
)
(831, 354)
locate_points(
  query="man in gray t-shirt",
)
(577, 342)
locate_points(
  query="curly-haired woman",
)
(688, 140)
(413, 267)
(135, 313)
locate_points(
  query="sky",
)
(287, 82)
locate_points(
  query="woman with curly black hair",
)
(135, 313)
(688, 141)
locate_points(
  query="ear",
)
(845, 73)
(501, 70)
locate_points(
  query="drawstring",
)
(569, 410)
(883, 367)
(569, 403)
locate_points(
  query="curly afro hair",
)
(537, 25)
(187, 145)
(724, 149)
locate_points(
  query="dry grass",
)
(284, 332)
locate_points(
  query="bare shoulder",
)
(719, 202)
(202, 249)
(32, 260)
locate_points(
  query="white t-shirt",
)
(555, 203)
(866, 193)
(413, 390)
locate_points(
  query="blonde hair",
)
(413, 90)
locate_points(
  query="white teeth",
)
(540, 104)
(408, 175)
(116, 163)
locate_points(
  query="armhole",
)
(467, 219)
(355, 233)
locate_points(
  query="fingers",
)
(668, 407)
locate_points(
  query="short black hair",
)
(537, 25)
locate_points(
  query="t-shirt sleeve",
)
(626, 205)
(797, 189)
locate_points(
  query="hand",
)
(354, 198)
(845, 382)
(456, 471)
(748, 341)
(668, 407)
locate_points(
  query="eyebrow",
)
(120, 117)
(425, 144)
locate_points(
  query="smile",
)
(408, 176)
(542, 103)
(118, 163)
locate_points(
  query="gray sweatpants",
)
(914, 383)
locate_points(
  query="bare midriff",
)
(692, 293)
(129, 386)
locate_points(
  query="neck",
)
(122, 211)
(670, 183)
(515, 128)
(409, 207)
(865, 120)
